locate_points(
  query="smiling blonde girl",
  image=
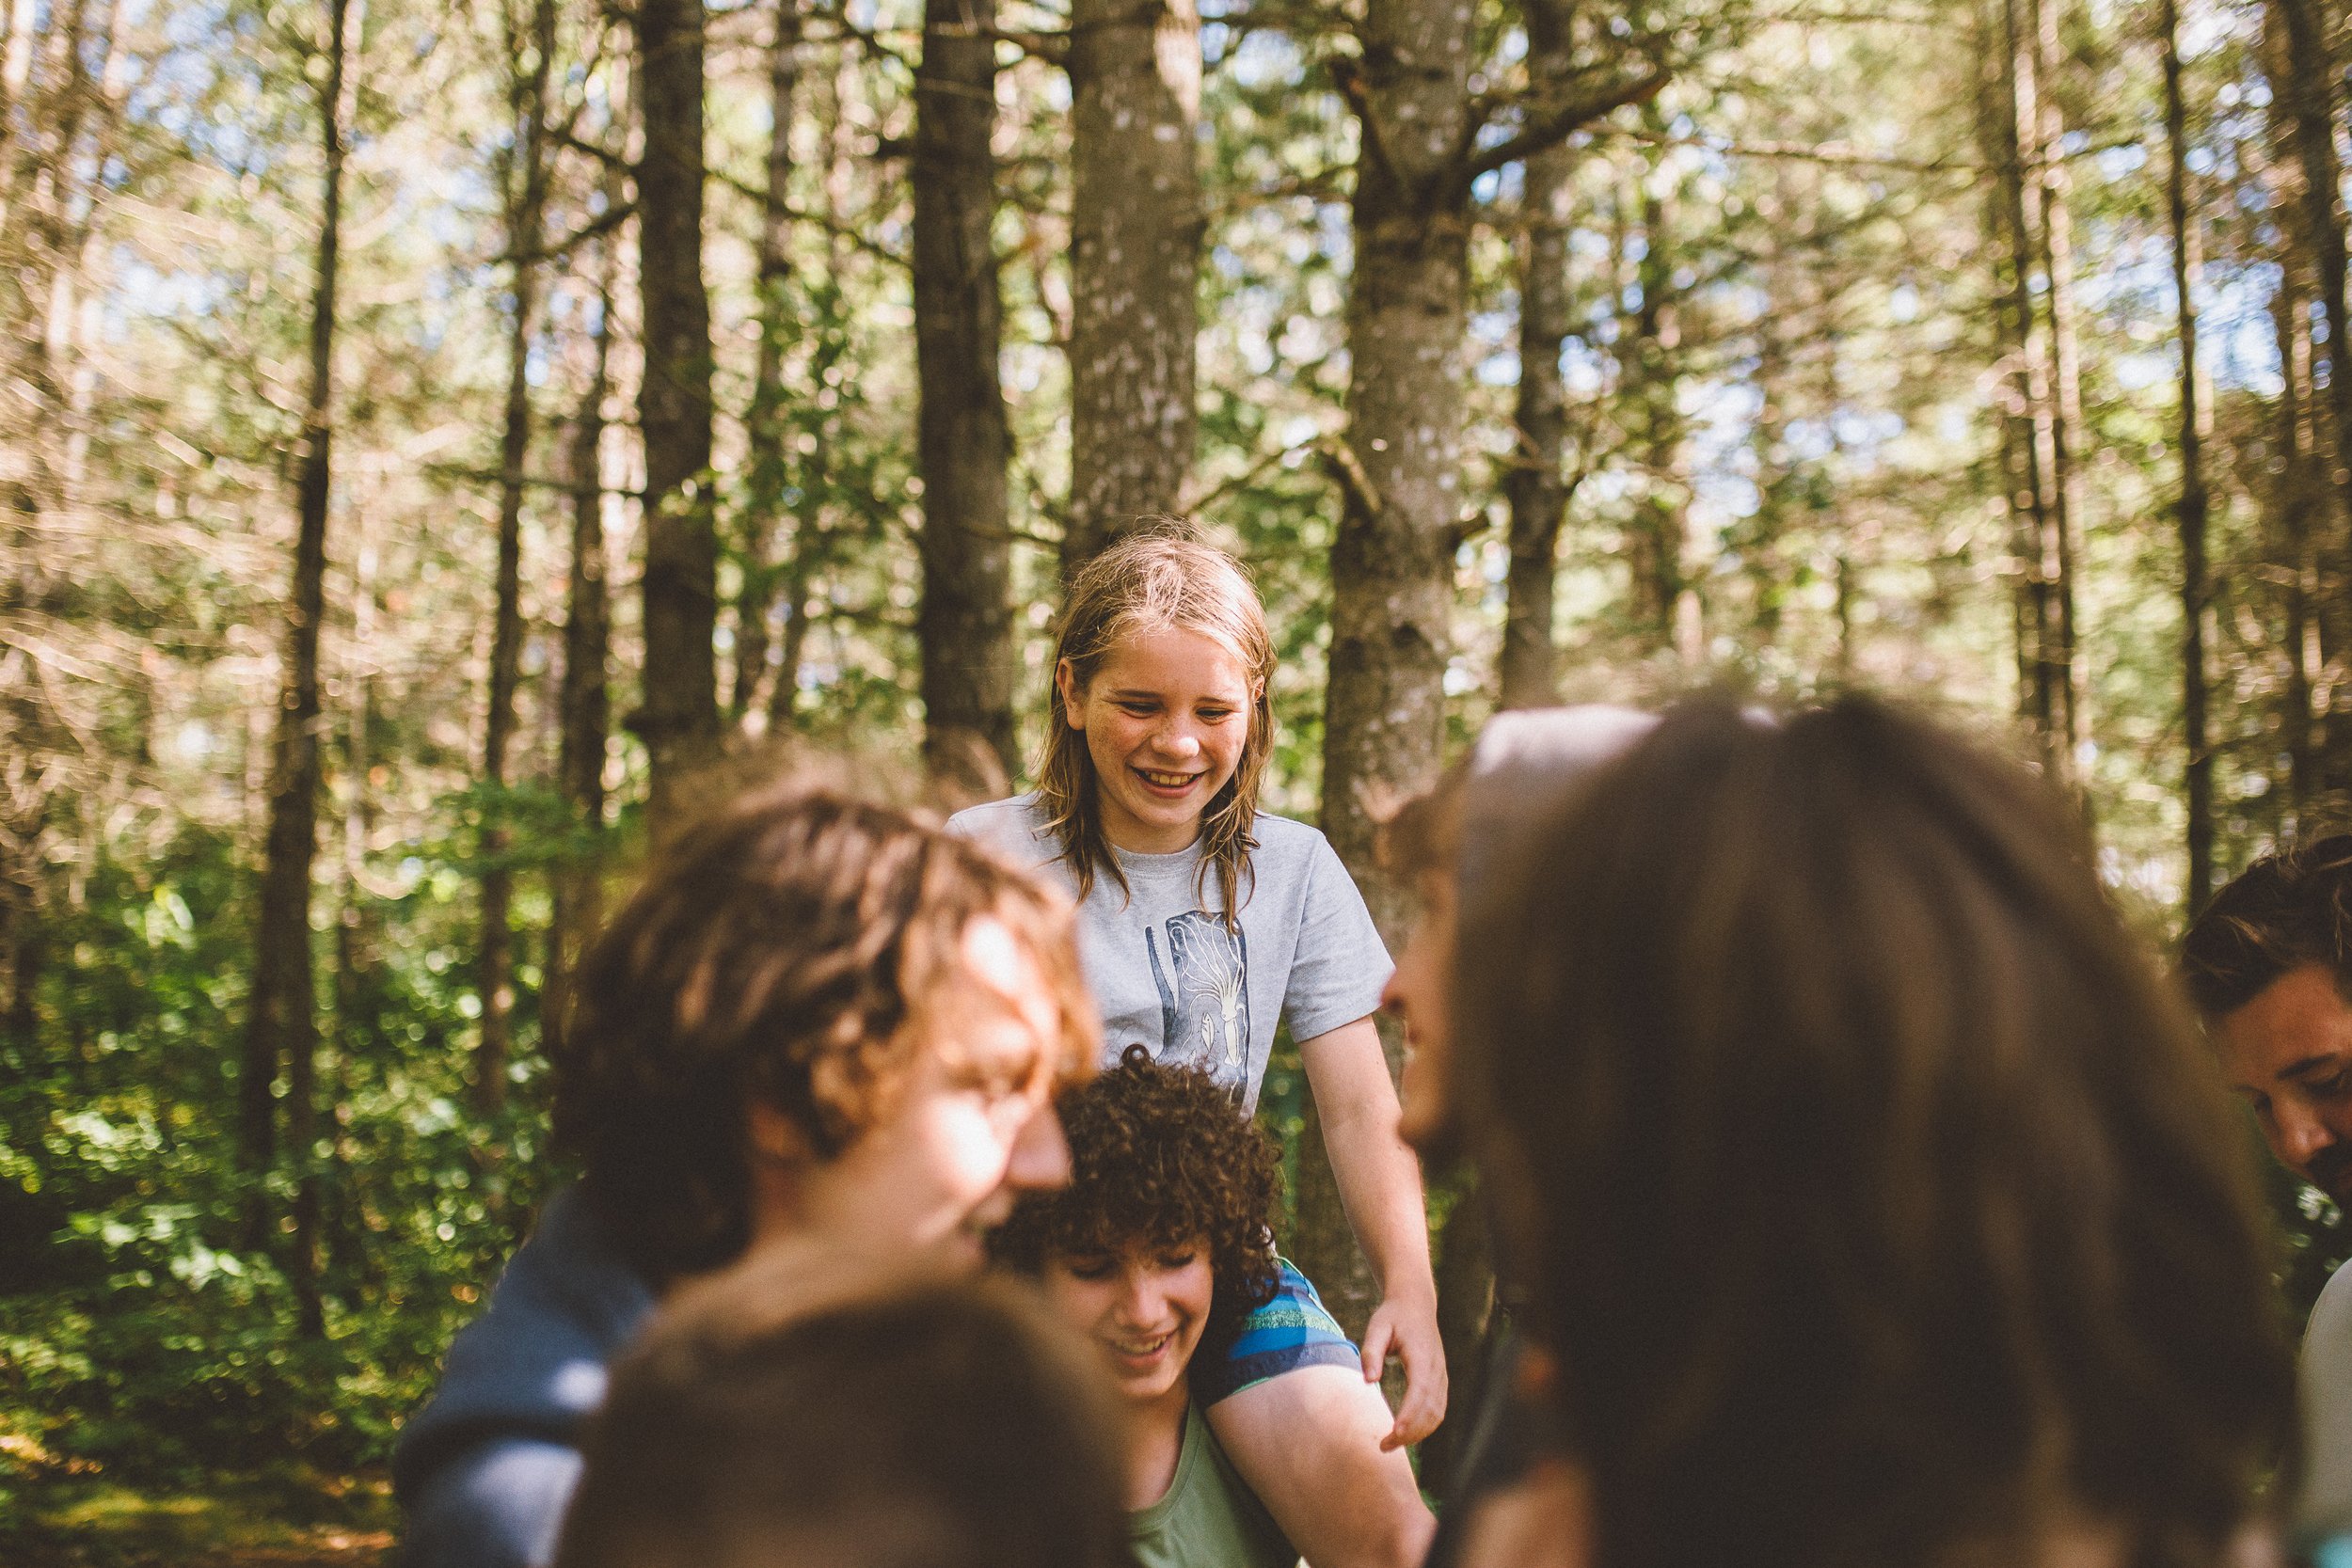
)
(1203, 922)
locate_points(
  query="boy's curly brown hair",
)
(1160, 1156)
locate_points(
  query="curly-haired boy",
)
(1158, 1251)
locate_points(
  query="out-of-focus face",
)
(1165, 718)
(1419, 992)
(1144, 1308)
(2289, 1053)
(973, 1126)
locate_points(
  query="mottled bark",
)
(1536, 486)
(281, 1024)
(1392, 561)
(964, 627)
(525, 206)
(768, 536)
(678, 718)
(2195, 593)
(1399, 470)
(1135, 262)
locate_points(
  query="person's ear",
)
(1066, 687)
(776, 1138)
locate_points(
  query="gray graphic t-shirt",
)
(1165, 972)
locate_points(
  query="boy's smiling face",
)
(1165, 718)
(1144, 1308)
(972, 1126)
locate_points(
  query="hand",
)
(1407, 1329)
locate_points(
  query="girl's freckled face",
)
(1165, 718)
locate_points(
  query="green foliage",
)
(147, 1336)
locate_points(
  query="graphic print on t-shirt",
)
(1204, 1007)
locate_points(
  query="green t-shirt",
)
(1210, 1518)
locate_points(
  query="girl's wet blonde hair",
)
(1163, 579)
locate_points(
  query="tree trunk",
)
(2289, 502)
(1536, 487)
(678, 718)
(2303, 82)
(583, 699)
(28, 951)
(2302, 501)
(2031, 432)
(1401, 516)
(281, 1026)
(1666, 601)
(964, 627)
(766, 458)
(1466, 1299)
(1399, 471)
(344, 1239)
(2061, 545)
(526, 203)
(2196, 595)
(1134, 264)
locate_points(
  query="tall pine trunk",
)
(1398, 472)
(2033, 433)
(964, 627)
(1391, 560)
(767, 530)
(282, 1025)
(583, 696)
(678, 716)
(1135, 262)
(1536, 488)
(526, 205)
(1665, 598)
(2196, 594)
(2061, 545)
(2303, 81)
(2005, 234)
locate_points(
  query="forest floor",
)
(294, 1520)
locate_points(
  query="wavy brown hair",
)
(1160, 1157)
(1148, 582)
(1874, 1193)
(2289, 910)
(775, 954)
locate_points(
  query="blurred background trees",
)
(434, 437)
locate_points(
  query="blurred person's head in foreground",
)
(1875, 1203)
(823, 1017)
(2269, 964)
(1457, 835)
(947, 1427)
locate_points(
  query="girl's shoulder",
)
(1288, 836)
(1014, 827)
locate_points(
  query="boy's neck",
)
(1155, 1445)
